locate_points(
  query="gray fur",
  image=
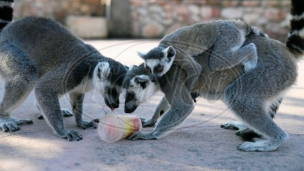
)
(243, 131)
(249, 94)
(253, 95)
(161, 108)
(135, 94)
(40, 54)
(5, 4)
(64, 112)
(226, 37)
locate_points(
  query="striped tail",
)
(295, 41)
(6, 12)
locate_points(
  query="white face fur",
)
(142, 94)
(102, 84)
(101, 72)
(159, 67)
(138, 88)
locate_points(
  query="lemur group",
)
(42, 55)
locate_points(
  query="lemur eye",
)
(148, 69)
(159, 69)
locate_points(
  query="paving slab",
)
(198, 144)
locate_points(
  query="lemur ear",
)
(141, 54)
(142, 80)
(170, 51)
(103, 70)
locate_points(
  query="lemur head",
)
(137, 87)
(107, 79)
(158, 61)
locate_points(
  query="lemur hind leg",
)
(229, 50)
(246, 133)
(19, 76)
(249, 134)
(248, 103)
(253, 113)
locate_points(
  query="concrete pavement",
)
(199, 143)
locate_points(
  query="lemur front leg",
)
(188, 64)
(161, 108)
(76, 100)
(181, 106)
(49, 105)
(64, 112)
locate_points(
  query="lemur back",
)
(51, 41)
(226, 37)
(40, 54)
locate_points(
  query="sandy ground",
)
(199, 143)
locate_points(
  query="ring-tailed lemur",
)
(40, 54)
(253, 96)
(226, 37)
(138, 88)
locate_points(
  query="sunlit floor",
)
(198, 144)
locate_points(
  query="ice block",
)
(113, 127)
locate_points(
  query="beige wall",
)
(58, 9)
(155, 18)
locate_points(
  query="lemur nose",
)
(153, 78)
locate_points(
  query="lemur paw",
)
(141, 136)
(66, 113)
(252, 56)
(40, 117)
(244, 132)
(247, 133)
(70, 135)
(259, 145)
(10, 124)
(147, 122)
(234, 125)
(86, 124)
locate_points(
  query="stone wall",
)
(58, 9)
(155, 18)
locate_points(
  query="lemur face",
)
(155, 68)
(158, 61)
(137, 88)
(104, 84)
(111, 96)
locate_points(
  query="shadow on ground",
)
(199, 144)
